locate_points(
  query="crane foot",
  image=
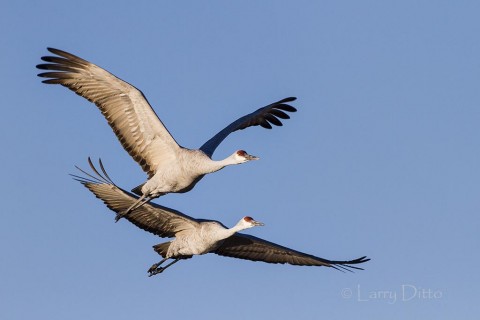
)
(120, 215)
(155, 271)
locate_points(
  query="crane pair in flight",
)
(171, 168)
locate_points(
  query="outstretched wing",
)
(159, 220)
(264, 117)
(248, 247)
(126, 109)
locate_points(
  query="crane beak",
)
(258, 223)
(250, 157)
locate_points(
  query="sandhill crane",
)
(198, 236)
(170, 167)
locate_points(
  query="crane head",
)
(242, 156)
(249, 222)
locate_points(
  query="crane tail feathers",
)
(162, 248)
(138, 189)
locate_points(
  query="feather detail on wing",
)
(126, 109)
(156, 219)
(263, 117)
(248, 247)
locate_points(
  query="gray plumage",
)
(197, 236)
(170, 167)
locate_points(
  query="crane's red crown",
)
(241, 153)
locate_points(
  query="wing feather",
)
(156, 219)
(126, 109)
(263, 117)
(248, 247)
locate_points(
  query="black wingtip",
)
(51, 59)
(289, 99)
(361, 260)
(42, 74)
(348, 265)
(281, 104)
(286, 107)
(54, 50)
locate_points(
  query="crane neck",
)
(214, 165)
(228, 232)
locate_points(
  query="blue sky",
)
(381, 158)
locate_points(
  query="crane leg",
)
(140, 202)
(156, 269)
